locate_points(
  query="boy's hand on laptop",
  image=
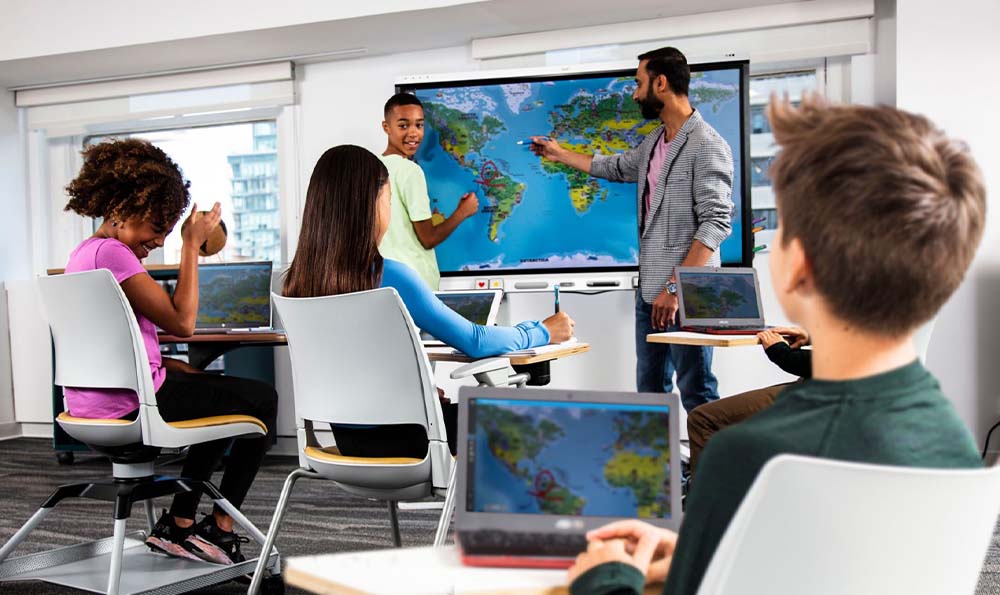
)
(770, 338)
(664, 310)
(617, 550)
(560, 327)
(632, 531)
(794, 335)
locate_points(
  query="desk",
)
(203, 349)
(703, 339)
(535, 365)
(418, 571)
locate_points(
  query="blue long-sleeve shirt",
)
(432, 316)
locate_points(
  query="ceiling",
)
(377, 35)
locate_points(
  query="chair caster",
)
(65, 457)
(273, 585)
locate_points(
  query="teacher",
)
(685, 174)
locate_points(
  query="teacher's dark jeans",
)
(656, 362)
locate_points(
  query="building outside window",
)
(762, 149)
(235, 165)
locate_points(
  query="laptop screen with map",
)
(478, 307)
(719, 298)
(565, 462)
(234, 295)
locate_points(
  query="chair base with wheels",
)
(122, 563)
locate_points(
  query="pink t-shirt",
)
(656, 160)
(112, 403)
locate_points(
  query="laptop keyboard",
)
(704, 329)
(494, 542)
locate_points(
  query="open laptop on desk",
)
(723, 301)
(234, 297)
(540, 468)
(476, 306)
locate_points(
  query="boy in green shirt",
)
(879, 216)
(413, 232)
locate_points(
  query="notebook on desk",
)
(719, 300)
(234, 297)
(539, 468)
(476, 306)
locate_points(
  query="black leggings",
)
(394, 440)
(186, 396)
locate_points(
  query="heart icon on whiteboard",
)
(482, 284)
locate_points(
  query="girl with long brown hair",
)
(346, 214)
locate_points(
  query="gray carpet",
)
(321, 518)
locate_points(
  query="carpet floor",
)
(321, 518)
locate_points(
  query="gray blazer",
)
(692, 200)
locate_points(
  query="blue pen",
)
(528, 141)
(555, 289)
(758, 220)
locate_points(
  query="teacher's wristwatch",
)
(671, 288)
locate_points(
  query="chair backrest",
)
(922, 339)
(840, 527)
(357, 359)
(98, 344)
(94, 332)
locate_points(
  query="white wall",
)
(944, 70)
(341, 102)
(14, 247)
(116, 23)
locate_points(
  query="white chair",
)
(922, 339)
(823, 527)
(97, 344)
(358, 359)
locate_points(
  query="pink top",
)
(656, 161)
(112, 403)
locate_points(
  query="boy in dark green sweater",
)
(880, 215)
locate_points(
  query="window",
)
(762, 149)
(237, 166)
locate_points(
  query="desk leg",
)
(540, 373)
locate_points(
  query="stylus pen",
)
(528, 141)
(555, 290)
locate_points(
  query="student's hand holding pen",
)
(560, 327)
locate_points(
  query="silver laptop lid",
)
(234, 295)
(479, 306)
(539, 460)
(719, 297)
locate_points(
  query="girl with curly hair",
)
(139, 193)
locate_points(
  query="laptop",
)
(476, 306)
(539, 468)
(234, 297)
(719, 300)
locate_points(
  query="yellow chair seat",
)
(331, 454)
(66, 417)
(217, 420)
(201, 422)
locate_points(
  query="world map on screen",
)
(570, 459)
(537, 214)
